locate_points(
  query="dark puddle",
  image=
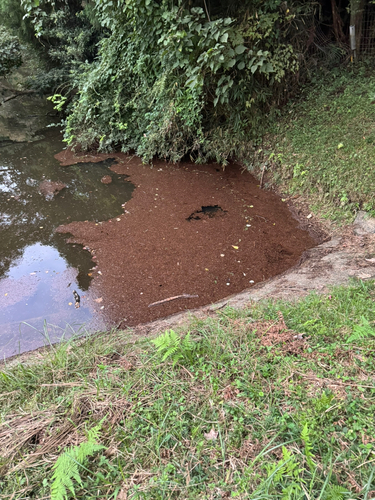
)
(209, 211)
(38, 269)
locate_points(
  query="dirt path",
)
(192, 233)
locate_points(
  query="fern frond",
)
(162, 340)
(66, 467)
(187, 342)
(172, 350)
(363, 331)
(336, 492)
(171, 345)
(85, 450)
(305, 436)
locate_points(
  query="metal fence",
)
(326, 50)
(367, 45)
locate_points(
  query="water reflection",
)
(38, 269)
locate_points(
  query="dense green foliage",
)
(240, 418)
(63, 34)
(170, 77)
(10, 52)
(168, 81)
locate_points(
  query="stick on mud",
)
(183, 296)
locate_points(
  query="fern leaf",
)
(305, 436)
(187, 343)
(85, 450)
(172, 350)
(363, 331)
(336, 492)
(162, 340)
(66, 469)
(66, 466)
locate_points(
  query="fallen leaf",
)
(89, 274)
(100, 299)
(123, 494)
(212, 435)
(235, 247)
(339, 146)
(371, 260)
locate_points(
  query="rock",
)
(364, 224)
(107, 179)
(23, 118)
(50, 189)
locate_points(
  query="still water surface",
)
(38, 269)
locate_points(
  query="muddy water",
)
(190, 235)
(38, 269)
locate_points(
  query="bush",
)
(170, 81)
(10, 52)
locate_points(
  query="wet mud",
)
(191, 234)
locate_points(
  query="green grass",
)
(223, 416)
(324, 143)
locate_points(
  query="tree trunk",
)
(337, 23)
(357, 8)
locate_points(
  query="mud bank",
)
(188, 230)
(348, 255)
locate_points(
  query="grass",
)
(271, 402)
(324, 143)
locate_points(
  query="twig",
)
(63, 384)
(183, 296)
(208, 15)
(261, 179)
(8, 393)
(19, 93)
(214, 309)
(187, 371)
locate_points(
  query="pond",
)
(38, 269)
(90, 242)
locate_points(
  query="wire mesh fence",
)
(324, 49)
(367, 42)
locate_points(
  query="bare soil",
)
(187, 231)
